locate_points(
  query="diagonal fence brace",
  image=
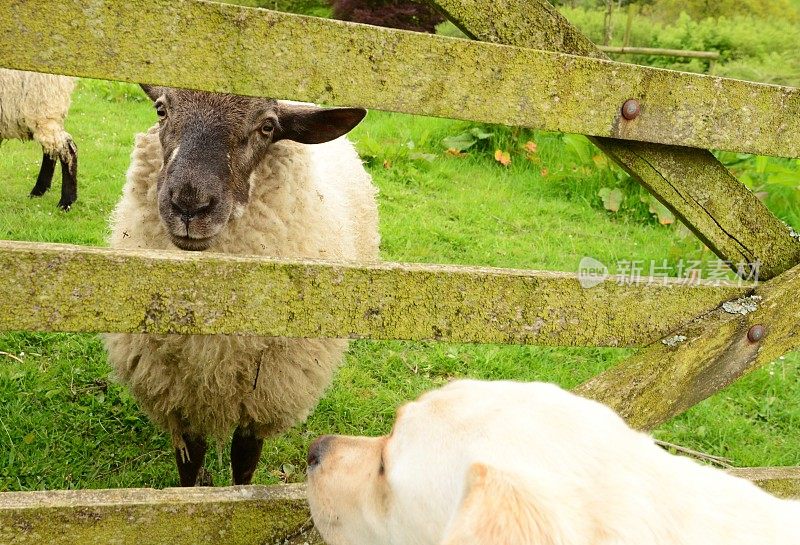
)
(697, 360)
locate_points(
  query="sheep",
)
(233, 174)
(33, 106)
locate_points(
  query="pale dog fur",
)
(507, 463)
(34, 106)
(305, 202)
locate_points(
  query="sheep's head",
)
(211, 145)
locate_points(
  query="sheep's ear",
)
(314, 125)
(152, 91)
(496, 510)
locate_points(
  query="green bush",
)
(750, 48)
(668, 10)
(701, 9)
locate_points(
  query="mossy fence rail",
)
(526, 66)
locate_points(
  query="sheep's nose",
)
(190, 210)
(318, 449)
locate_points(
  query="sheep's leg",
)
(245, 452)
(190, 459)
(45, 177)
(69, 175)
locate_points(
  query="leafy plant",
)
(465, 140)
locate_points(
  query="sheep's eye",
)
(161, 110)
(267, 127)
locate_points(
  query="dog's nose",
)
(317, 450)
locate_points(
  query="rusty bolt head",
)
(631, 109)
(756, 333)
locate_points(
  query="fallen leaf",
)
(544, 172)
(612, 198)
(456, 153)
(530, 147)
(422, 156)
(502, 157)
(387, 164)
(664, 215)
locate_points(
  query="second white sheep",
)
(33, 106)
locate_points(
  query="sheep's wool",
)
(305, 202)
(34, 105)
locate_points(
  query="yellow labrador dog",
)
(507, 463)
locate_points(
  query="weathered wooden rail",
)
(217, 47)
(47, 288)
(239, 515)
(696, 338)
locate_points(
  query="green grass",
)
(64, 424)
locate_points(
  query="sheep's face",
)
(211, 145)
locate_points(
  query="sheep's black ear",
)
(314, 125)
(152, 91)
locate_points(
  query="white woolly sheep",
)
(33, 106)
(233, 174)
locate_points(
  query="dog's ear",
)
(496, 510)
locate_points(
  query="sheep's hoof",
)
(65, 206)
(204, 478)
(37, 192)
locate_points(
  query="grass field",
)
(65, 424)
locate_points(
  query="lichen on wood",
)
(220, 47)
(664, 380)
(54, 287)
(240, 515)
(783, 482)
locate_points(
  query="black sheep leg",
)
(45, 177)
(69, 176)
(190, 461)
(245, 452)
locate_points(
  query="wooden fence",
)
(539, 72)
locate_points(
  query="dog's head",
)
(453, 470)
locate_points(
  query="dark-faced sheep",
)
(237, 175)
(33, 106)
